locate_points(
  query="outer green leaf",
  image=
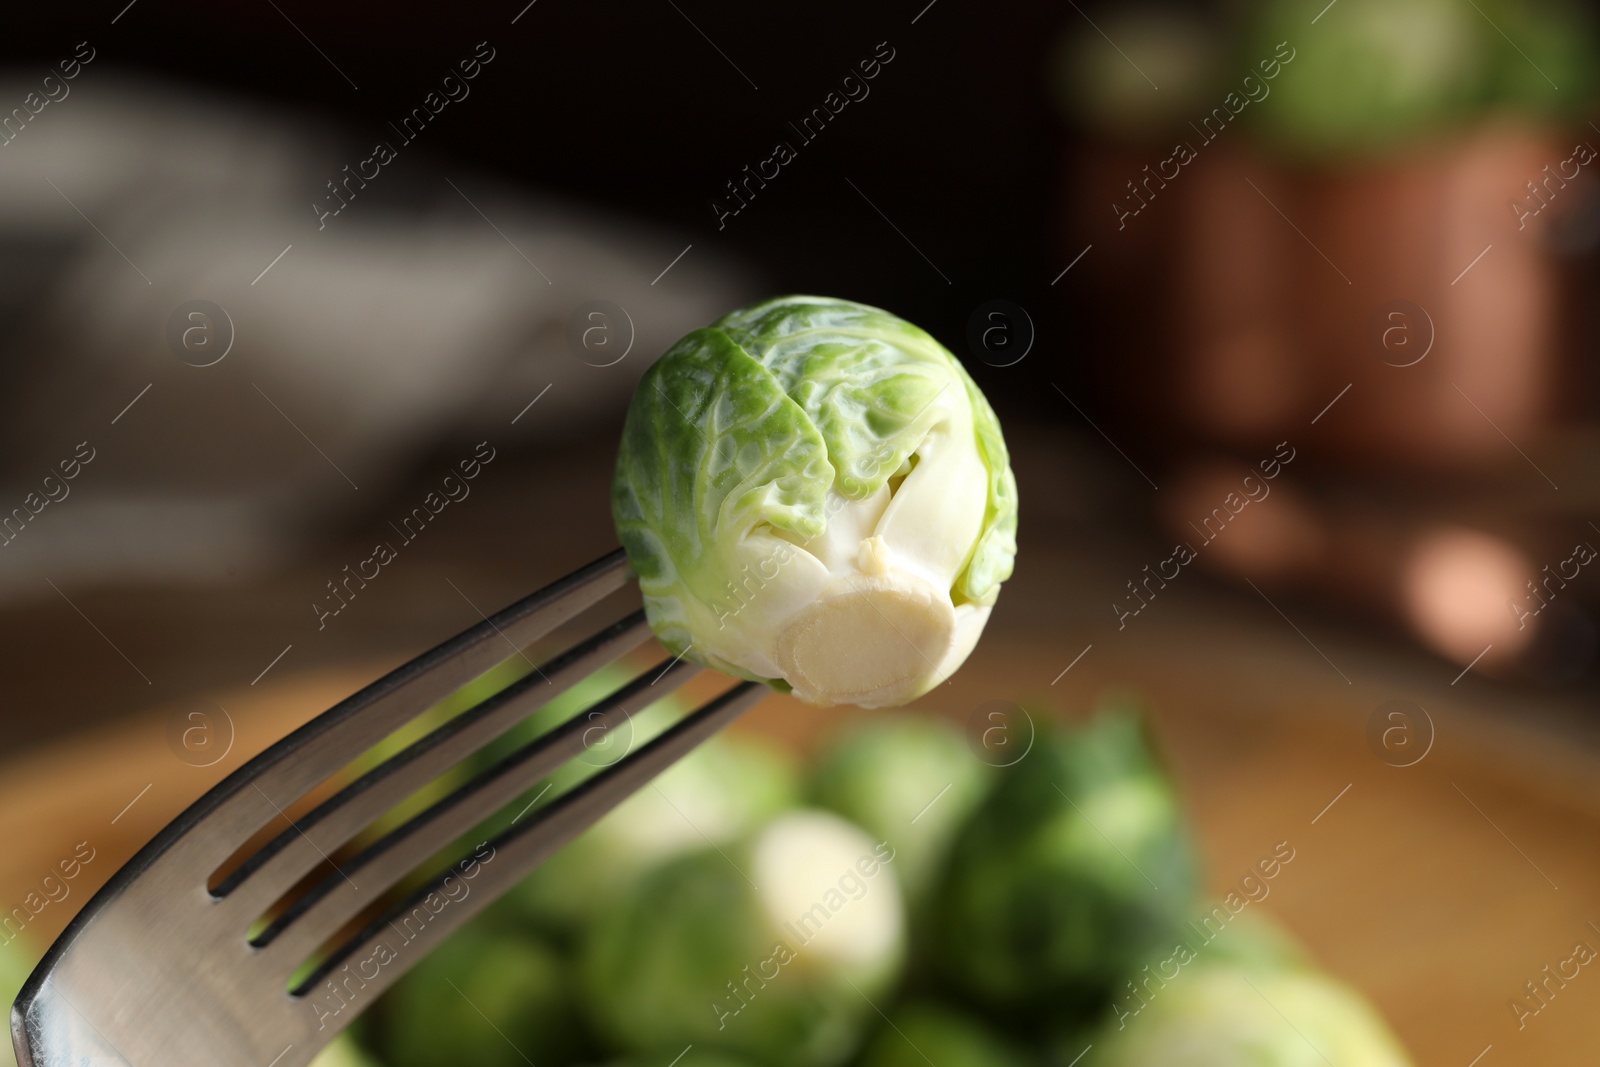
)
(867, 380)
(712, 447)
(996, 551)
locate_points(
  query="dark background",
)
(620, 106)
(1265, 685)
(627, 106)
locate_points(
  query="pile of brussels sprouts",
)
(903, 904)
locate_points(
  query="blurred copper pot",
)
(1412, 281)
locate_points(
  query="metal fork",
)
(161, 970)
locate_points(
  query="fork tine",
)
(300, 848)
(365, 877)
(233, 810)
(512, 854)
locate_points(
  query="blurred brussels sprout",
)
(1253, 939)
(1372, 74)
(1074, 871)
(1065, 1046)
(720, 792)
(816, 495)
(692, 1057)
(920, 1032)
(488, 997)
(344, 1051)
(772, 948)
(907, 780)
(1113, 89)
(1226, 1015)
(1546, 58)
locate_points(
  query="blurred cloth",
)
(414, 321)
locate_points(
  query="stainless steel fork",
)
(162, 968)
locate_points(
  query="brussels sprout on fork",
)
(816, 495)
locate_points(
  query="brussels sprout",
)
(718, 793)
(1251, 939)
(488, 997)
(921, 1032)
(1074, 871)
(772, 949)
(1226, 1015)
(1109, 89)
(816, 495)
(344, 1051)
(1066, 1046)
(1546, 57)
(1375, 74)
(910, 781)
(691, 1057)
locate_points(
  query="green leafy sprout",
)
(816, 495)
